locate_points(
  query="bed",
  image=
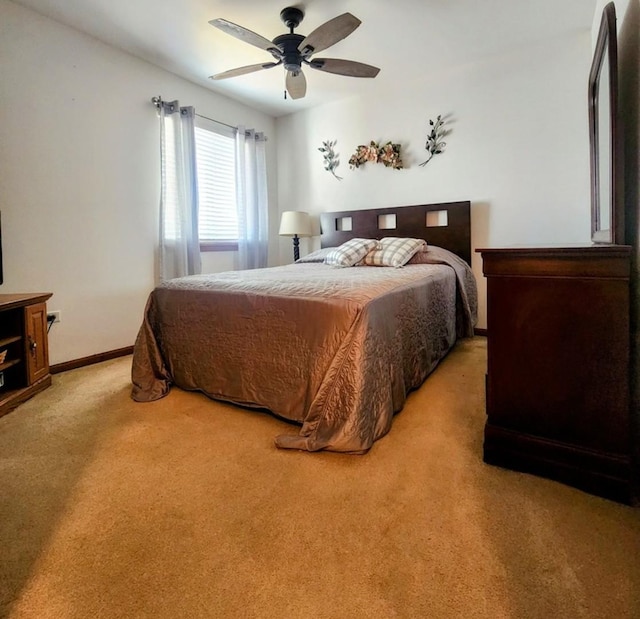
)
(335, 350)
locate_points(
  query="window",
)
(217, 211)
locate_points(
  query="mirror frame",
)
(606, 51)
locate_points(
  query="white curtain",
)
(179, 253)
(252, 200)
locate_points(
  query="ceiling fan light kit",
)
(293, 50)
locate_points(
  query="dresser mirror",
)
(607, 214)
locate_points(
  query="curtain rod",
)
(157, 101)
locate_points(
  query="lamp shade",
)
(295, 223)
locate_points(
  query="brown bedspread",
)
(336, 350)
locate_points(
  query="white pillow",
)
(394, 252)
(351, 252)
(316, 256)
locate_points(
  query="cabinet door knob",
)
(33, 346)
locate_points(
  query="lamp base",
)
(296, 248)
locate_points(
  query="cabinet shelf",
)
(9, 340)
(8, 364)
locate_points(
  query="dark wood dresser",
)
(24, 371)
(558, 402)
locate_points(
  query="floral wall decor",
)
(387, 154)
(434, 144)
(331, 159)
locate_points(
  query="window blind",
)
(215, 157)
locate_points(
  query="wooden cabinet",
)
(23, 335)
(558, 390)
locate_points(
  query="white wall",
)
(518, 148)
(79, 176)
(79, 170)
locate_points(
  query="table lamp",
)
(295, 224)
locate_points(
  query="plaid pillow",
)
(351, 252)
(394, 252)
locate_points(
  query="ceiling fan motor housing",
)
(291, 16)
(288, 44)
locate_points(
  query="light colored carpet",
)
(184, 508)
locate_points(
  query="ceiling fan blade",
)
(296, 84)
(243, 70)
(243, 34)
(344, 67)
(329, 33)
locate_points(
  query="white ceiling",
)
(407, 39)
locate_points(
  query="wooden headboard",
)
(410, 221)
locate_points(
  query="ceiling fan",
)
(293, 50)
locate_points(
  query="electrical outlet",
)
(55, 314)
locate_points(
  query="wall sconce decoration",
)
(387, 154)
(434, 144)
(331, 159)
(295, 224)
